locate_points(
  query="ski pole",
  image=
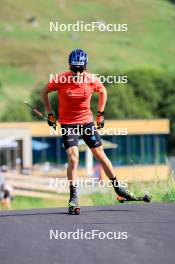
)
(38, 113)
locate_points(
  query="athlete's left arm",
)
(102, 98)
(101, 106)
(99, 88)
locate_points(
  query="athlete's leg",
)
(93, 140)
(100, 155)
(70, 140)
(73, 159)
(6, 201)
(109, 171)
(6, 204)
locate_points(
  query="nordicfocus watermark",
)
(80, 26)
(79, 130)
(78, 79)
(81, 234)
(82, 182)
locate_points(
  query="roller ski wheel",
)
(73, 209)
(146, 198)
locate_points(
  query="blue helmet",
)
(78, 57)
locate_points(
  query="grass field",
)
(163, 191)
(29, 52)
(23, 202)
(159, 191)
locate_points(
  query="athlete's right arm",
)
(45, 98)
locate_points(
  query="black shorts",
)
(88, 132)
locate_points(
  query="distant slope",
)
(29, 52)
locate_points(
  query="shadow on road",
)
(34, 213)
(29, 213)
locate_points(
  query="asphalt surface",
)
(32, 236)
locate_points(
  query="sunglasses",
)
(77, 68)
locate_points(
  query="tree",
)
(16, 111)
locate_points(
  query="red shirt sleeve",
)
(97, 86)
(54, 82)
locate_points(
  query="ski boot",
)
(124, 195)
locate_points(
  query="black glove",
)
(100, 120)
(52, 120)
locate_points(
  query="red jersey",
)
(74, 98)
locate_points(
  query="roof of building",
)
(132, 127)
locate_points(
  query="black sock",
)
(114, 182)
(73, 191)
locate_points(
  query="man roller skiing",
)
(74, 112)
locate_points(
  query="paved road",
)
(25, 235)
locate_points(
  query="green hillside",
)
(29, 52)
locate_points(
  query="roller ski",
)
(73, 208)
(124, 195)
(146, 198)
